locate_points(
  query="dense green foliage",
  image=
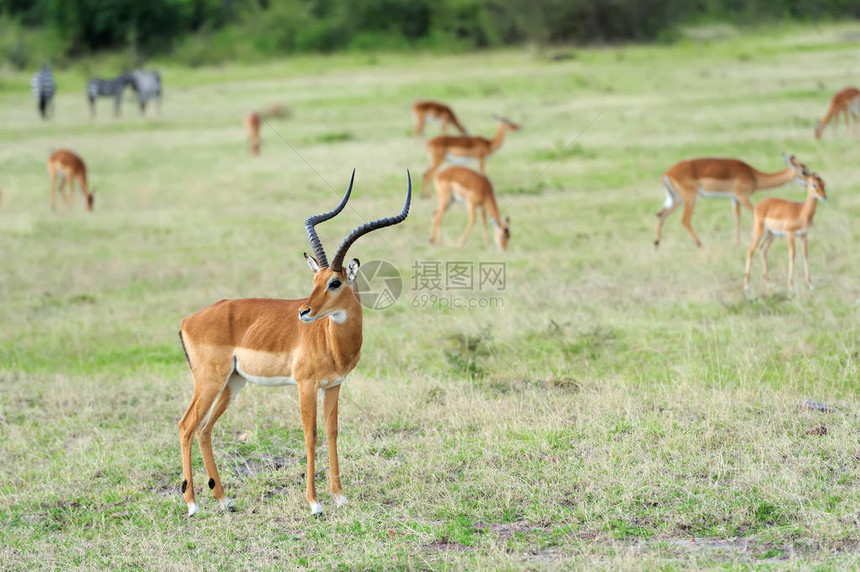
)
(202, 31)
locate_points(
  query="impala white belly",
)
(711, 194)
(461, 159)
(783, 233)
(270, 381)
(275, 381)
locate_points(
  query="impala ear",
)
(352, 270)
(312, 262)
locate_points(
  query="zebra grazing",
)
(43, 87)
(147, 85)
(98, 87)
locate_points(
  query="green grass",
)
(623, 408)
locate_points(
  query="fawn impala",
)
(462, 183)
(715, 177)
(464, 146)
(846, 102)
(71, 169)
(254, 119)
(436, 111)
(312, 343)
(774, 216)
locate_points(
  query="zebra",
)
(147, 85)
(98, 87)
(43, 87)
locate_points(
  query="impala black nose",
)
(305, 312)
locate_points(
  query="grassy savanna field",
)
(622, 408)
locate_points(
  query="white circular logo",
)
(379, 285)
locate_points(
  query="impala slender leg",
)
(745, 201)
(67, 194)
(805, 245)
(330, 400)
(736, 205)
(204, 439)
(757, 232)
(685, 220)
(444, 129)
(482, 165)
(768, 241)
(443, 191)
(791, 250)
(308, 405)
(486, 229)
(201, 402)
(671, 204)
(470, 224)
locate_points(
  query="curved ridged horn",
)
(337, 263)
(316, 245)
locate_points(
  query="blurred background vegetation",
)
(199, 32)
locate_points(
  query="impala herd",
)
(314, 342)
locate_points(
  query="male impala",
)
(775, 216)
(436, 111)
(462, 183)
(846, 102)
(464, 146)
(254, 119)
(71, 169)
(714, 177)
(312, 343)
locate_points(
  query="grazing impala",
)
(846, 102)
(711, 177)
(255, 118)
(71, 169)
(464, 146)
(775, 216)
(252, 128)
(312, 343)
(436, 111)
(462, 183)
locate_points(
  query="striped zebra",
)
(43, 87)
(147, 85)
(98, 87)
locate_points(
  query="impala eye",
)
(334, 284)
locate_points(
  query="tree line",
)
(221, 29)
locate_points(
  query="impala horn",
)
(337, 263)
(316, 245)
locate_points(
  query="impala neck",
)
(498, 138)
(771, 180)
(809, 207)
(343, 337)
(831, 111)
(493, 209)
